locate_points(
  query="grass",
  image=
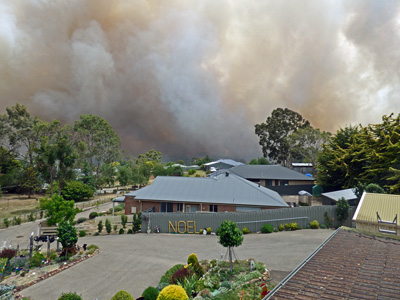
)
(201, 173)
(13, 205)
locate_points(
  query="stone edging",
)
(54, 272)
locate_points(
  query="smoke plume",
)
(193, 77)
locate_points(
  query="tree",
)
(9, 168)
(108, 226)
(67, 235)
(274, 132)
(306, 143)
(96, 139)
(334, 159)
(124, 175)
(77, 191)
(29, 181)
(108, 174)
(259, 161)
(342, 210)
(229, 235)
(58, 209)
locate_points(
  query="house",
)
(349, 265)
(378, 213)
(332, 198)
(221, 164)
(304, 168)
(224, 193)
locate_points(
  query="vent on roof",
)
(226, 174)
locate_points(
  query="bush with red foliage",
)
(181, 274)
(8, 253)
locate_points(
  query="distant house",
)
(221, 164)
(304, 168)
(332, 198)
(226, 192)
(371, 205)
(349, 266)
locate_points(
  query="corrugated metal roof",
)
(269, 172)
(220, 189)
(225, 161)
(347, 194)
(386, 205)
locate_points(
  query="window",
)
(166, 207)
(214, 208)
(179, 207)
(284, 182)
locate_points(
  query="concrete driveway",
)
(134, 262)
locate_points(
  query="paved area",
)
(134, 262)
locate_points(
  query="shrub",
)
(267, 228)
(181, 274)
(31, 217)
(192, 259)
(245, 230)
(191, 171)
(70, 296)
(166, 278)
(67, 235)
(342, 210)
(130, 231)
(108, 226)
(288, 226)
(173, 292)
(17, 220)
(122, 295)
(294, 226)
(36, 260)
(82, 233)
(91, 249)
(124, 219)
(93, 215)
(115, 228)
(8, 253)
(150, 293)
(6, 222)
(121, 231)
(327, 220)
(308, 226)
(209, 230)
(81, 220)
(323, 226)
(281, 227)
(100, 226)
(314, 224)
(19, 262)
(276, 230)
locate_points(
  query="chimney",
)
(226, 174)
(259, 184)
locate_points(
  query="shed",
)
(372, 205)
(332, 198)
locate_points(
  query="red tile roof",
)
(350, 266)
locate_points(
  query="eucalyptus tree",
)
(97, 141)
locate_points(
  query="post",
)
(31, 246)
(48, 247)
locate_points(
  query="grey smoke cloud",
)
(193, 77)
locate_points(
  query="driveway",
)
(134, 262)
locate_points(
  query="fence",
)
(39, 214)
(195, 222)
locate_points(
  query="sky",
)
(190, 78)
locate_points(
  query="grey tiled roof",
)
(220, 189)
(268, 172)
(225, 161)
(347, 194)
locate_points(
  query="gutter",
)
(287, 278)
